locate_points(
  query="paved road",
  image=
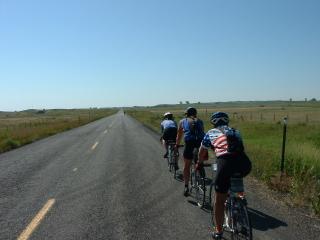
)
(107, 180)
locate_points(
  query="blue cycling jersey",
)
(168, 124)
(193, 129)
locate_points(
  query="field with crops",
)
(261, 125)
(20, 128)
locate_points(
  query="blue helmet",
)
(219, 118)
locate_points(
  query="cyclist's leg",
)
(220, 199)
(222, 184)
(188, 156)
(186, 171)
(165, 137)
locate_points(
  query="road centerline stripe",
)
(25, 235)
(94, 145)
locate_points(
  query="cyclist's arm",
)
(203, 154)
(179, 134)
(203, 150)
(161, 128)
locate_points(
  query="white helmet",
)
(168, 115)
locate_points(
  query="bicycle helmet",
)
(168, 115)
(219, 118)
(191, 111)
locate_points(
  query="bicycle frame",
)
(173, 155)
(198, 181)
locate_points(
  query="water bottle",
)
(214, 167)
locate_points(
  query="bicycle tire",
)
(242, 228)
(175, 164)
(200, 189)
(170, 158)
(192, 178)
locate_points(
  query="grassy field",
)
(261, 125)
(20, 128)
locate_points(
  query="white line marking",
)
(75, 169)
(94, 145)
(25, 235)
(105, 131)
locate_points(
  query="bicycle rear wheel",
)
(170, 158)
(200, 189)
(242, 228)
(175, 165)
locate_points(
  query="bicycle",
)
(198, 180)
(236, 217)
(172, 159)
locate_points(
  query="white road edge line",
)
(105, 131)
(25, 235)
(75, 169)
(94, 145)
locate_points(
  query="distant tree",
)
(306, 99)
(41, 111)
(199, 103)
(313, 100)
(290, 100)
(181, 102)
(187, 102)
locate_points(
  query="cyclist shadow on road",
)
(264, 222)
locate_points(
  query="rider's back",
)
(193, 129)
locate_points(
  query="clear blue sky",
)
(76, 53)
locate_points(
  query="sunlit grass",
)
(17, 129)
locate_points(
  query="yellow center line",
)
(25, 235)
(94, 145)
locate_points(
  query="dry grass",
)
(20, 128)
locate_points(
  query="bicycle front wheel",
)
(200, 189)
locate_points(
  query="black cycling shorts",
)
(169, 134)
(189, 147)
(229, 166)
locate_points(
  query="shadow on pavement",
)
(264, 222)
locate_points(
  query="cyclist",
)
(192, 129)
(168, 130)
(228, 147)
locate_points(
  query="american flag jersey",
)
(217, 140)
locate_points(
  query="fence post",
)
(283, 143)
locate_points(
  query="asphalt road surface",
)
(108, 180)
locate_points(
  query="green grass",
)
(263, 142)
(20, 128)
